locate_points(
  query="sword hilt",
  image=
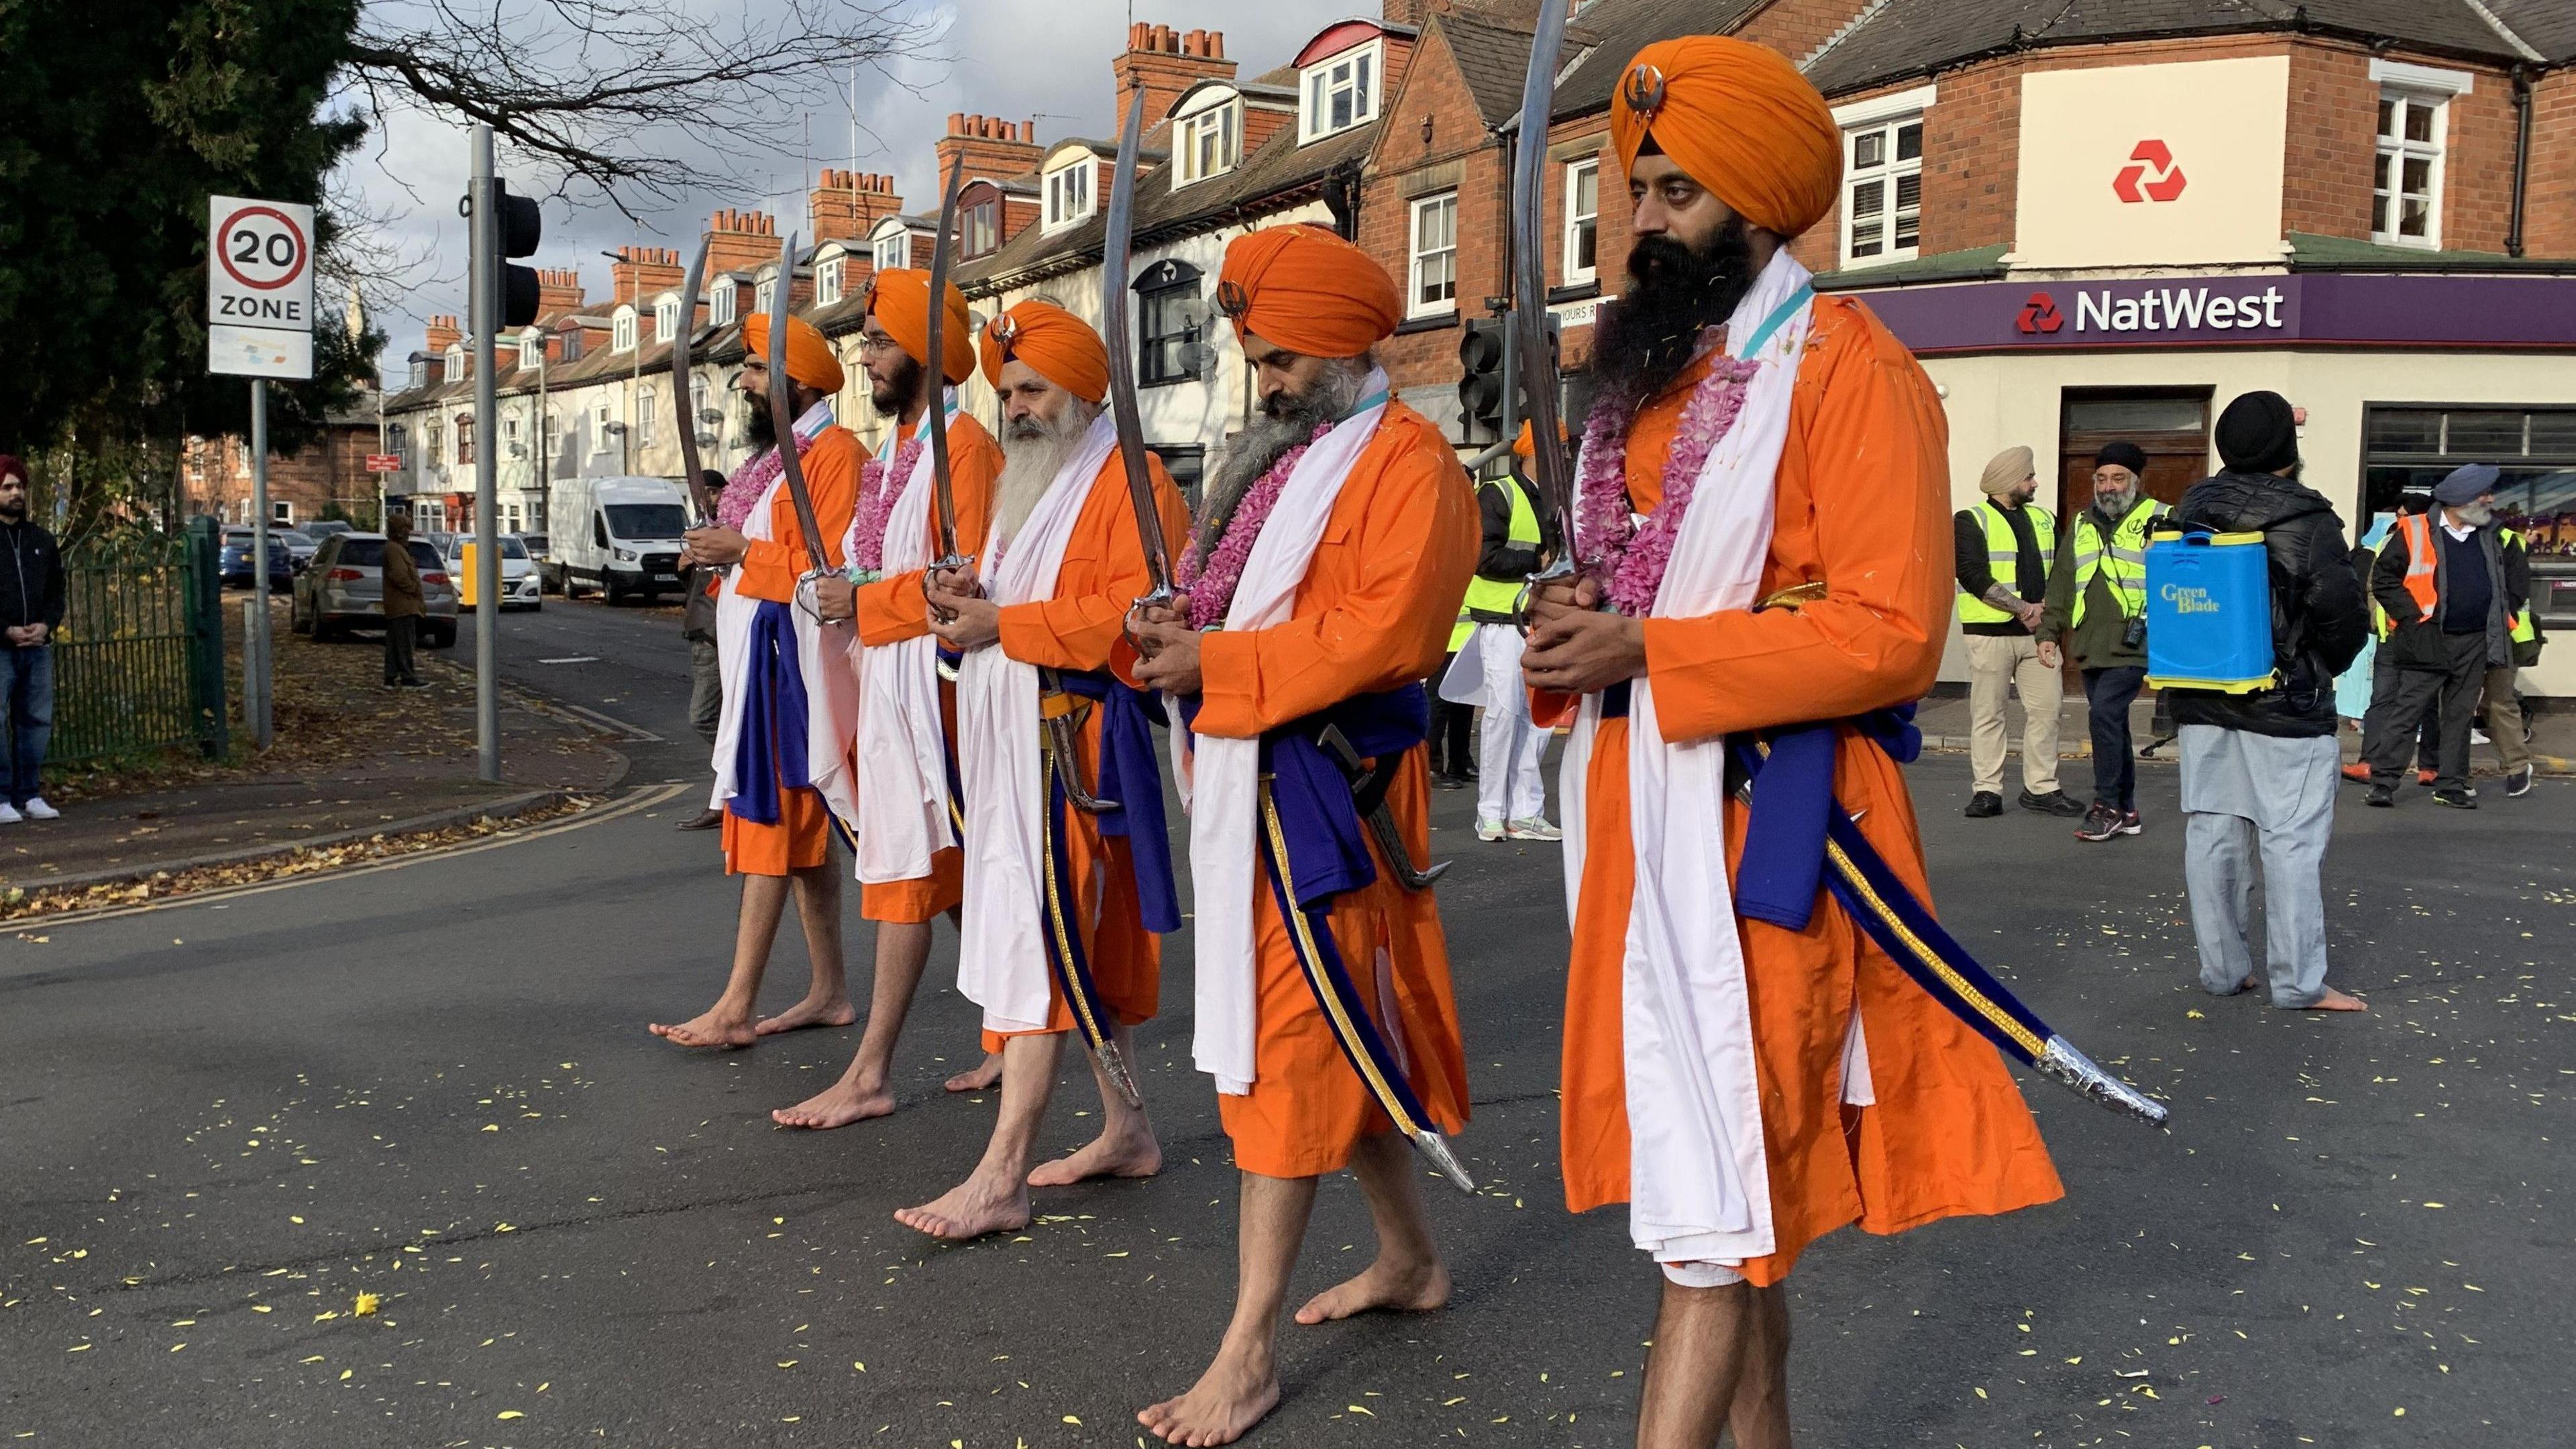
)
(1558, 570)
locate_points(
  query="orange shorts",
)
(925, 898)
(801, 840)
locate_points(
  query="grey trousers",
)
(2246, 795)
(706, 690)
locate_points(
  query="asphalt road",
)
(222, 1122)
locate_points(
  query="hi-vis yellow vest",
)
(1498, 596)
(2123, 561)
(2003, 557)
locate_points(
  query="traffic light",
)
(1481, 384)
(521, 227)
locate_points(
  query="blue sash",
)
(1319, 817)
(770, 751)
(1131, 775)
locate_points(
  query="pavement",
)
(429, 1082)
(1945, 722)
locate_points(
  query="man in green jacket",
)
(2096, 611)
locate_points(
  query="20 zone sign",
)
(260, 271)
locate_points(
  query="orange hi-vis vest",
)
(2420, 563)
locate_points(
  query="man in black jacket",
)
(2451, 591)
(2260, 767)
(32, 589)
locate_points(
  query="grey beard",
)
(2118, 508)
(1283, 423)
(2475, 515)
(1034, 451)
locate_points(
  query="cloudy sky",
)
(1008, 58)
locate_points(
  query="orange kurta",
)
(1373, 614)
(1102, 574)
(769, 570)
(1862, 507)
(894, 609)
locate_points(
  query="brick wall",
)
(331, 469)
(845, 205)
(2549, 207)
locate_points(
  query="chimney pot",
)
(1137, 32)
(1216, 45)
(1163, 38)
(956, 123)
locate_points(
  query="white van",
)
(620, 536)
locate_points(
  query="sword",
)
(935, 377)
(1122, 366)
(1372, 784)
(1061, 714)
(782, 417)
(1529, 297)
(682, 395)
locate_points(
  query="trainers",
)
(1443, 780)
(2456, 799)
(2382, 797)
(1491, 830)
(1531, 827)
(37, 809)
(9, 815)
(2518, 782)
(1985, 805)
(2129, 823)
(2052, 803)
(2101, 823)
(2357, 772)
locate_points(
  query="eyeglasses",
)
(874, 342)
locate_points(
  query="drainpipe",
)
(2521, 156)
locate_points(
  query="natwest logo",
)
(2191, 308)
(2040, 314)
(2151, 174)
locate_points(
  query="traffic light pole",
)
(484, 316)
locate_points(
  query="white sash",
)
(1001, 952)
(1699, 1180)
(1223, 790)
(902, 752)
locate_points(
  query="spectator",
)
(2261, 766)
(706, 676)
(2097, 607)
(1511, 803)
(405, 605)
(2453, 594)
(2003, 547)
(1452, 723)
(31, 609)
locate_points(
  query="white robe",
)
(902, 751)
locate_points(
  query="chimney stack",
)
(640, 272)
(1160, 64)
(443, 334)
(558, 292)
(739, 241)
(991, 147)
(846, 205)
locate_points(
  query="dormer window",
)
(891, 248)
(455, 360)
(419, 370)
(979, 227)
(1209, 141)
(666, 318)
(720, 304)
(1340, 93)
(764, 295)
(622, 331)
(1068, 192)
(532, 348)
(827, 281)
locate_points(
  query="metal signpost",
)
(259, 325)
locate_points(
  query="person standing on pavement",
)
(1511, 798)
(2097, 607)
(404, 603)
(2259, 768)
(706, 675)
(32, 590)
(2003, 545)
(2452, 594)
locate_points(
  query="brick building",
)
(327, 478)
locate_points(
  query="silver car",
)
(345, 589)
(522, 586)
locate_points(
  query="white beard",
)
(1030, 466)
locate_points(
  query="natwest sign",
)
(2191, 310)
(2272, 309)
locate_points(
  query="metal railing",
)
(138, 665)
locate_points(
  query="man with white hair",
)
(1066, 892)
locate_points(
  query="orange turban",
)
(900, 298)
(1061, 347)
(810, 360)
(1526, 446)
(1309, 291)
(1738, 119)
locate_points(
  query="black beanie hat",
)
(2257, 434)
(2127, 455)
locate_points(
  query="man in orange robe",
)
(1336, 615)
(909, 866)
(1052, 891)
(1748, 1087)
(772, 787)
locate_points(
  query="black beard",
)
(889, 397)
(1644, 340)
(760, 427)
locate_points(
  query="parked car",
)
(618, 535)
(345, 589)
(317, 527)
(239, 570)
(520, 586)
(300, 546)
(540, 555)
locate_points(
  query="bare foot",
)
(1130, 1155)
(809, 1012)
(2335, 1000)
(727, 1033)
(2244, 986)
(838, 1105)
(1238, 1391)
(970, 1210)
(978, 1079)
(1393, 1287)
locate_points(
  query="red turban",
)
(1309, 291)
(810, 360)
(1738, 119)
(900, 299)
(1059, 346)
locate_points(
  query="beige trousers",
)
(1996, 661)
(2504, 720)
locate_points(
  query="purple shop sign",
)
(2344, 309)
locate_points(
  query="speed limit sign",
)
(259, 286)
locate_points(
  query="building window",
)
(532, 348)
(979, 227)
(892, 252)
(645, 412)
(600, 426)
(1340, 93)
(464, 438)
(281, 511)
(666, 318)
(1435, 256)
(764, 295)
(419, 370)
(396, 438)
(1582, 222)
(510, 435)
(455, 361)
(622, 331)
(554, 429)
(827, 282)
(1883, 190)
(720, 304)
(1068, 193)
(432, 432)
(1170, 323)
(1186, 462)
(2406, 186)
(1208, 144)
(509, 518)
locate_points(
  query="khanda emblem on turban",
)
(1645, 91)
(1004, 330)
(1232, 300)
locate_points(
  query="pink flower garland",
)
(879, 484)
(1629, 560)
(1210, 582)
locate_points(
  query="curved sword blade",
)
(683, 395)
(934, 374)
(1538, 379)
(1114, 309)
(782, 410)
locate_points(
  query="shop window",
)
(1434, 268)
(1582, 222)
(2408, 449)
(1883, 191)
(1170, 324)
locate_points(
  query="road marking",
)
(572, 659)
(609, 722)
